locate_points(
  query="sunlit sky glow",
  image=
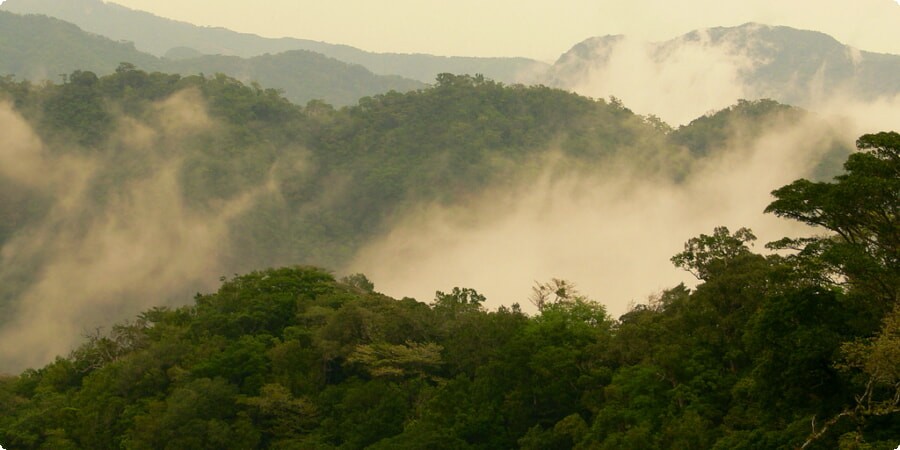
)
(538, 29)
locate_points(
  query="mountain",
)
(709, 69)
(294, 358)
(41, 48)
(160, 36)
(162, 182)
(302, 74)
(38, 48)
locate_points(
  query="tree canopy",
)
(782, 350)
(761, 354)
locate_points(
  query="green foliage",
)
(459, 300)
(292, 358)
(77, 109)
(359, 281)
(746, 120)
(706, 134)
(704, 255)
(321, 181)
(860, 207)
(384, 360)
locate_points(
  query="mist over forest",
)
(686, 243)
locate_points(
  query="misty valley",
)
(219, 240)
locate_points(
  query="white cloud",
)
(611, 233)
(97, 263)
(678, 83)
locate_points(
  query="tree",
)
(554, 291)
(704, 255)
(860, 208)
(458, 300)
(398, 361)
(862, 251)
(359, 281)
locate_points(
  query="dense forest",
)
(794, 350)
(324, 180)
(442, 143)
(797, 347)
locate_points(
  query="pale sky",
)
(538, 29)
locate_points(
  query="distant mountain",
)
(711, 68)
(38, 48)
(159, 36)
(302, 74)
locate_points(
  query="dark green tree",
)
(860, 210)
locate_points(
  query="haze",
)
(530, 28)
(611, 233)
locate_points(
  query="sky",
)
(537, 29)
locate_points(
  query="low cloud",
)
(611, 233)
(677, 83)
(91, 262)
(94, 262)
(687, 77)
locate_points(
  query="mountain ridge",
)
(60, 47)
(158, 35)
(710, 68)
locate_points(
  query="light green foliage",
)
(877, 359)
(280, 417)
(398, 361)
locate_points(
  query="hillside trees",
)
(293, 358)
(860, 209)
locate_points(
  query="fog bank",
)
(611, 233)
(93, 263)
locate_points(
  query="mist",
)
(678, 84)
(611, 233)
(97, 263)
(97, 257)
(708, 70)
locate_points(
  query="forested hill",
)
(40, 48)
(164, 37)
(302, 75)
(338, 174)
(774, 352)
(164, 182)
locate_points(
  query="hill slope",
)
(37, 48)
(164, 182)
(158, 36)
